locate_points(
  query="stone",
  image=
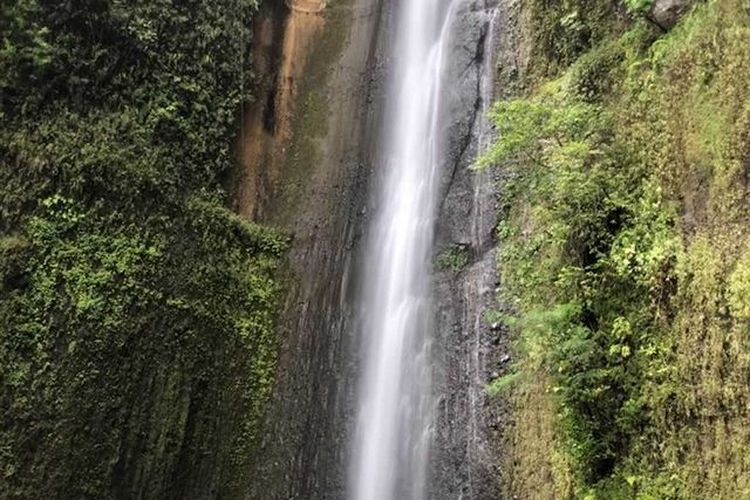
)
(666, 13)
(306, 6)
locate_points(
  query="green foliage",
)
(560, 31)
(575, 288)
(739, 288)
(454, 258)
(137, 344)
(624, 252)
(638, 6)
(501, 384)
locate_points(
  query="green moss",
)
(137, 340)
(624, 252)
(738, 288)
(502, 384)
(559, 32)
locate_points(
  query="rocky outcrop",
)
(306, 152)
(666, 13)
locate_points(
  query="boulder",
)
(666, 13)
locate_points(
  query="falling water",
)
(395, 411)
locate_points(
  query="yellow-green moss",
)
(628, 203)
(137, 340)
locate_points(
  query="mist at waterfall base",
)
(395, 413)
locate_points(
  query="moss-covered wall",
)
(624, 252)
(137, 344)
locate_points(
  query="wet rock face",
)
(306, 172)
(666, 13)
(308, 6)
(467, 349)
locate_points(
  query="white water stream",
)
(394, 426)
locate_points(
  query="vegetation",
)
(454, 258)
(136, 320)
(558, 32)
(625, 243)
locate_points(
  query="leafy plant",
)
(453, 258)
(639, 6)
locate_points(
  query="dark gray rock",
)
(666, 13)
(465, 460)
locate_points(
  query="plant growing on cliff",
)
(639, 6)
(624, 252)
(566, 256)
(137, 312)
(454, 258)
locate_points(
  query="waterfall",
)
(394, 425)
